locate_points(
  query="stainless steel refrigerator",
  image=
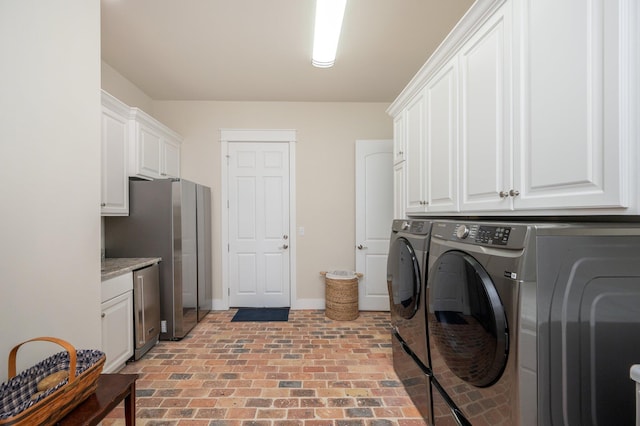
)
(169, 218)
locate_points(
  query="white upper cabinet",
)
(441, 138)
(399, 189)
(399, 139)
(115, 138)
(572, 142)
(155, 149)
(485, 124)
(399, 167)
(415, 150)
(529, 107)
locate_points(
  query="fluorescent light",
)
(329, 14)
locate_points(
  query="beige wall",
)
(124, 90)
(325, 184)
(325, 167)
(50, 174)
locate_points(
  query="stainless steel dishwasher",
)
(146, 308)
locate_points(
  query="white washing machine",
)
(406, 281)
(533, 324)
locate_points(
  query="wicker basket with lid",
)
(341, 297)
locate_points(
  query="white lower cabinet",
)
(117, 321)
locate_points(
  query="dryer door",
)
(467, 322)
(403, 278)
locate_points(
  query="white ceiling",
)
(260, 50)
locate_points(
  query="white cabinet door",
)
(399, 186)
(399, 140)
(149, 151)
(117, 331)
(442, 140)
(115, 134)
(170, 160)
(155, 149)
(415, 152)
(572, 151)
(485, 138)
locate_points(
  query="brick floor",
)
(310, 371)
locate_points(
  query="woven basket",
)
(341, 297)
(19, 406)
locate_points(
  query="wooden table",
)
(112, 389)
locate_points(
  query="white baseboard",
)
(300, 304)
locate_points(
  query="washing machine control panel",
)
(483, 234)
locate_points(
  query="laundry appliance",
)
(588, 323)
(533, 324)
(406, 281)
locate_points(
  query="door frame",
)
(228, 136)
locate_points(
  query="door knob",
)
(514, 192)
(285, 236)
(361, 247)
(504, 194)
(284, 246)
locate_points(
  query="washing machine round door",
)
(403, 278)
(467, 322)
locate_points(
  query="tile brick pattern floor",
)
(309, 371)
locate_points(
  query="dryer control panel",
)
(487, 234)
(483, 234)
(496, 235)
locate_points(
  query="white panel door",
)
(258, 224)
(374, 214)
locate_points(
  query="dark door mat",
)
(450, 317)
(261, 314)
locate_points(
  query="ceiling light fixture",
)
(329, 14)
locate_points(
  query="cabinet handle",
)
(514, 192)
(424, 203)
(163, 174)
(103, 315)
(103, 204)
(504, 194)
(400, 153)
(361, 247)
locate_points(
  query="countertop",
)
(113, 266)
